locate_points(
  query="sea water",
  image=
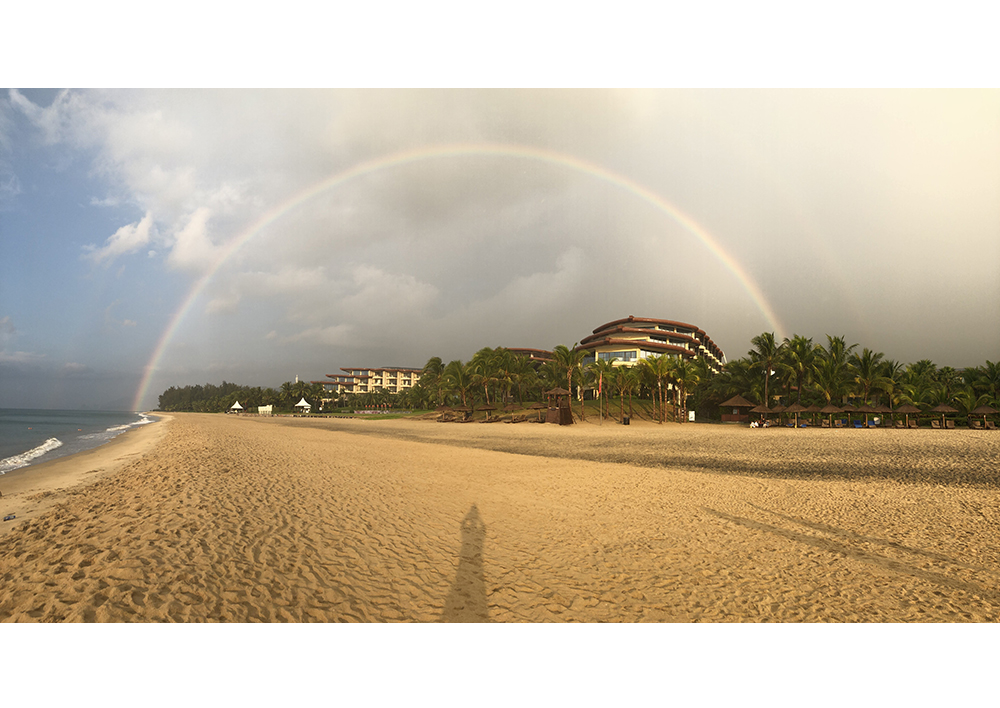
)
(28, 437)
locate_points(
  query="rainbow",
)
(441, 152)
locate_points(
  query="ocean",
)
(28, 437)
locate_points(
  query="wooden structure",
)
(740, 408)
(559, 410)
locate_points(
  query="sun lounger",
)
(914, 424)
(976, 425)
(990, 425)
(859, 424)
(838, 423)
(825, 424)
(900, 424)
(936, 424)
(949, 424)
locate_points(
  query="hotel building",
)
(365, 380)
(634, 338)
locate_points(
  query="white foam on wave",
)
(24, 459)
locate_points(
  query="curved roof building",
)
(633, 338)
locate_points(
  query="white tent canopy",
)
(236, 407)
(303, 404)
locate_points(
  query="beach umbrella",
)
(881, 408)
(488, 407)
(538, 407)
(848, 409)
(984, 411)
(866, 409)
(906, 409)
(795, 408)
(942, 409)
(762, 409)
(812, 411)
(830, 409)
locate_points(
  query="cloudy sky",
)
(253, 235)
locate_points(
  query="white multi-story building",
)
(627, 341)
(365, 380)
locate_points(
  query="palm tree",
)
(430, 377)
(287, 393)
(571, 361)
(832, 368)
(766, 356)
(657, 368)
(684, 375)
(868, 373)
(799, 357)
(892, 370)
(458, 379)
(602, 370)
(483, 366)
(986, 379)
(619, 378)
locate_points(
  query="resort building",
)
(365, 380)
(535, 356)
(634, 338)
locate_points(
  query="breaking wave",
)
(24, 459)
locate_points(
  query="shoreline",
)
(30, 491)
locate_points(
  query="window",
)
(621, 356)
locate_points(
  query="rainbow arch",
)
(406, 157)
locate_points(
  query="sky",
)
(156, 238)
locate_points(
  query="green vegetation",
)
(218, 399)
(800, 371)
(660, 388)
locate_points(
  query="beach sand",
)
(225, 518)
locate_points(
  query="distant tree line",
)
(210, 398)
(794, 370)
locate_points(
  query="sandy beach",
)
(224, 518)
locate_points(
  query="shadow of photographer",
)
(466, 601)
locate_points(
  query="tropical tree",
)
(798, 357)
(570, 361)
(459, 379)
(766, 356)
(431, 378)
(685, 376)
(868, 373)
(602, 371)
(657, 370)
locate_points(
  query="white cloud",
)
(110, 322)
(192, 247)
(20, 357)
(127, 239)
(341, 335)
(7, 328)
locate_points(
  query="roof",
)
(701, 336)
(659, 346)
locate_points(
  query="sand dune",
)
(286, 519)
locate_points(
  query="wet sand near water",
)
(291, 519)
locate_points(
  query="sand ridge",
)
(243, 519)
